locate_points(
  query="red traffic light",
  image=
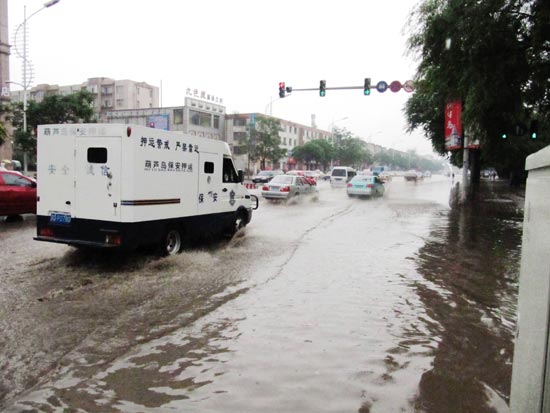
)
(281, 89)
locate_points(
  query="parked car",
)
(285, 187)
(265, 176)
(365, 185)
(17, 194)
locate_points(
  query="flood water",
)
(341, 305)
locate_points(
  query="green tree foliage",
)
(318, 151)
(350, 150)
(267, 141)
(73, 108)
(493, 55)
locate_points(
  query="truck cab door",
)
(232, 190)
(210, 170)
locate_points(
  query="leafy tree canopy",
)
(494, 56)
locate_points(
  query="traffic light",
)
(281, 89)
(322, 87)
(289, 89)
(366, 89)
(504, 136)
(534, 129)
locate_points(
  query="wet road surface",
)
(378, 305)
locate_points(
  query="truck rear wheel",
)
(171, 244)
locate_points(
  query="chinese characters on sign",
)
(168, 166)
(453, 125)
(203, 95)
(213, 196)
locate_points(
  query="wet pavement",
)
(377, 305)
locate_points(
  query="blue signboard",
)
(158, 122)
(381, 86)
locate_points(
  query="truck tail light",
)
(112, 239)
(46, 232)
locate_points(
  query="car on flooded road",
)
(265, 176)
(286, 187)
(365, 186)
(17, 194)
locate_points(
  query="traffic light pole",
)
(316, 89)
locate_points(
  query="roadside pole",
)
(465, 161)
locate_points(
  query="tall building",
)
(109, 94)
(6, 150)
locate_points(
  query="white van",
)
(123, 186)
(341, 175)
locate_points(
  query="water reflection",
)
(470, 268)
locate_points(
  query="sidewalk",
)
(495, 196)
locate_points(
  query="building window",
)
(239, 136)
(216, 122)
(200, 118)
(239, 122)
(119, 90)
(284, 141)
(178, 116)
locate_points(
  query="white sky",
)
(238, 50)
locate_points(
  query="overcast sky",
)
(237, 50)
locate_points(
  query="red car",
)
(17, 194)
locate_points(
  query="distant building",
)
(197, 117)
(6, 150)
(238, 128)
(108, 94)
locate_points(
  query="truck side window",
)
(229, 173)
(209, 167)
(97, 155)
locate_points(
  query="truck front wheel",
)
(171, 244)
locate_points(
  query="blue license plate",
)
(60, 218)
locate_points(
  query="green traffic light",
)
(504, 136)
(534, 135)
(321, 93)
(366, 92)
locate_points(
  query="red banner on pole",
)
(453, 125)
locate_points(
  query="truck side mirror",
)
(241, 175)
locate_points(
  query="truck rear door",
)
(97, 178)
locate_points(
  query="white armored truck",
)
(124, 186)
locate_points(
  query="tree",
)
(349, 150)
(267, 141)
(318, 151)
(73, 108)
(483, 53)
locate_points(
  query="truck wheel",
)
(171, 244)
(240, 222)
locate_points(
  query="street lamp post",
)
(27, 78)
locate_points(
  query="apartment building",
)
(237, 131)
(197, 117)
(108, 94)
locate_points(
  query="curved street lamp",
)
(27, 77)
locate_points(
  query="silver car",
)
(286, 187)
